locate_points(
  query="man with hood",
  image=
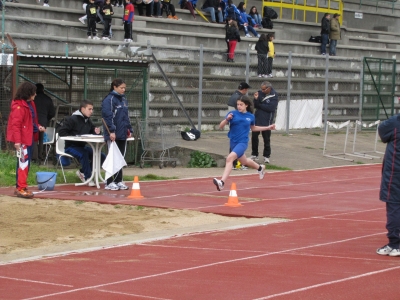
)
(78, 124)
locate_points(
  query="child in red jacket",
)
(22, 130)
(129, 14)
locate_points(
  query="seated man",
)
(77, 124)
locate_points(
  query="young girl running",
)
(240, 122)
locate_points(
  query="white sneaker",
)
(80, 175)
(122, 186)
(247, 35)
(106, 38)
(270, 75)
(89, 37)
(82, 20)
(96, 38)
(46, 5)
(112, 186)
(385, 250)
(128, 40)
(394, 252)
(253, 157)
(258, 35)
(261, 173)
(91, 183)
(259, 75)
(266, 160)
(218, 183)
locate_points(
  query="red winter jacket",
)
(20, 124)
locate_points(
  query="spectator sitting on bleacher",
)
(118, 3)
(212, 7)
(233, 12)
(190, 5)
(242, 8)
(84, 18)
(253, 13)
(147, 4)
(157, 9)
(169, 9)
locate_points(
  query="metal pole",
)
(326, 91)
(3, 13)
(247, 65)
(361, 92)
(289, 76)
(200, 88)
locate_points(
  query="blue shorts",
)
(238, 148)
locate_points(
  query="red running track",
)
(325, 249)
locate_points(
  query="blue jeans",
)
(253, 31)
(257, 19)
(324, 41)
(85, 156)
(211, 11)
(332, 47)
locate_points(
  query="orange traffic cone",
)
(233, 200)
(135, 192)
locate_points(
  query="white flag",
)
(114, 161)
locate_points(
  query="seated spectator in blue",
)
(242, 8)
(78, 124)
(212, 7)
(190, 5)
(253, 13)
(233, 12)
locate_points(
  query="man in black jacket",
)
(265, 103)
(45, 111)
(325, 29)
(78, 124)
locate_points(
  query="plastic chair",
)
(60, 148)
(50, 132)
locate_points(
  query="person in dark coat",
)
(232, 37)
(117, 126)
(266, 103)
(389, 132)
(325, 30)
(46, 111)
(262, 55)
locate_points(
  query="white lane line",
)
(128, 294)
(35, 281)
(199, 267)
(328, 283)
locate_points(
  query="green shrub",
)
(201, 160)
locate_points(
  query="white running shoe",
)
(262, 172)
(45, 4)
(218, 183)
(96, 38)
(122, 186)
(106, 38)
(385, 250)
(82, 20)
(91, 183)
(253, 157)
(89, 37)
(112, 186)
(80, 175)
(247, 35)
(266, 160)
(395, 252)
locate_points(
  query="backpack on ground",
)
(315, 39)
(267, 23)
(270, 13)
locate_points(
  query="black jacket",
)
(44, 108)
(77, 124)
(91, 11)
(262, 47)
(232, 33)
(325, 26)
(234, 98)
(107, 6)
(211, 3)
(266, 106)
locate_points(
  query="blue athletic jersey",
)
(239, 126)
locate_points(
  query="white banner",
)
(303, 114)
